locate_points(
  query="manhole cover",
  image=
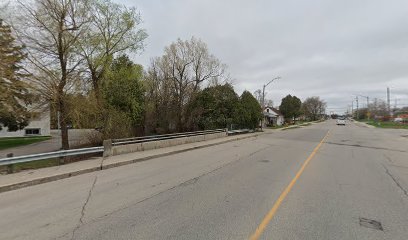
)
(404, 136)
(264, 161)
(369, 223)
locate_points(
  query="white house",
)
(272, 117)
(39, 125)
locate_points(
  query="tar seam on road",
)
(371, 147)
(261, 228)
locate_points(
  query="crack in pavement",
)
(259, 150)
(81, 222)
(362, 146)
(395, 180)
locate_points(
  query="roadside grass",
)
(18, 167)
(10, 142)
(379, 124)
(30, 165)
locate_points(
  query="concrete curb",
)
(299, 125)
(37, 181)
(46, 179)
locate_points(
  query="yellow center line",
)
(261, 228)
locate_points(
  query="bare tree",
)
(269, 103)
(52, 30)
(187, 65)
(378, 108)
(258, 95)
(313, 108)
(159, 99)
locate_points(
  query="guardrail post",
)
(107, 148)
(11, 167)
(61, 160)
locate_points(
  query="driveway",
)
(77, 137)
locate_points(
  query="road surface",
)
(317, 182)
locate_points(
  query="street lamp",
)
(263, 97)
(263, 90)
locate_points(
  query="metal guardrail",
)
(239, 131)
(116, 142)
(49, 155)
(124, 141)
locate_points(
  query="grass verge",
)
(394, 125)
(30, 165)
(11, 142)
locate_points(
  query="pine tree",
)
(14, 94)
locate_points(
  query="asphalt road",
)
(288, 185)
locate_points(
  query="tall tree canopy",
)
(51, 30)
(113, 29)
(290, 107)
(313, 108)
(248, 111)
(14, 93)
(71, 45)
(123, 89)
(184, 67)
(214, 107)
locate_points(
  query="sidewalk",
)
(37, 176)
(363, 124)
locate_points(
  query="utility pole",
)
(263, 99)
(357, 107)
(352, 109)
(368, 108)
(388, 101)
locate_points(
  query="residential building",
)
(272, 117)
(39, 126)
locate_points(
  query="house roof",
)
(275, 111)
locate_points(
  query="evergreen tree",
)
(14, 94)
(248, 112)
(214, 107)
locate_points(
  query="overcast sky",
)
(332, 49)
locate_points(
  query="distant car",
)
(341, 121)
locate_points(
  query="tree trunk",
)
(63, 121)
(96, 88)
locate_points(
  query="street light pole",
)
(263, 98)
